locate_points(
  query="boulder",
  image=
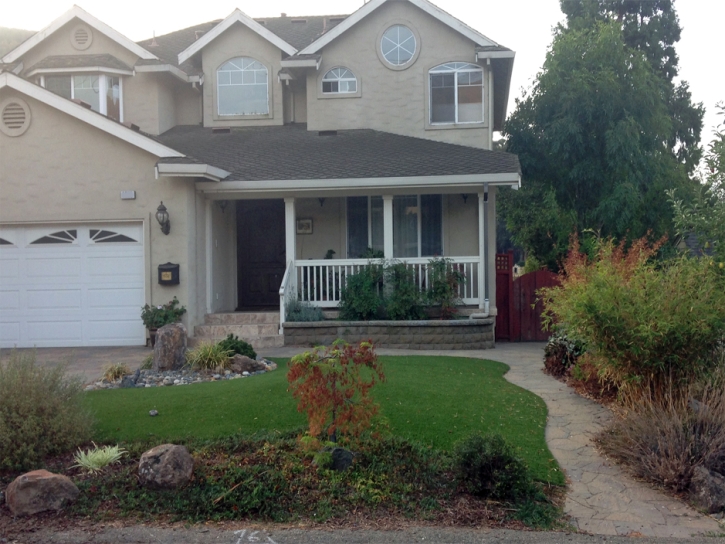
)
(242, 363)
(707, 490)
(38, 491)
(167, 466)
(341, 459)
(170, 348)
(128, 381)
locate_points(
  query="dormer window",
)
(102, 92)
(242, 87)
(339, 81)
(456, 93)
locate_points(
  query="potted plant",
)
(155, 317)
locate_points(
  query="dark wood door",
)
(260, 252)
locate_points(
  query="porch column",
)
(388, 226)
(482, 247)
(290, 230)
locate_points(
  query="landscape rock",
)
(170, 348)
(127, 381)
(341, 459)
(707, 490)
(242, 363)
(153, 413)
(167, 466)
(38, 491)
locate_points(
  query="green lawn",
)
(436, 400)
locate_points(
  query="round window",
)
(398, 45)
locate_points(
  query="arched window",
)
(339, 81)
(242, 87)
(456, 93)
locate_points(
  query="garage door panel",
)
(54, 299)
(116, 266)
(9, 268)
(116, 298)
(9, 334)
(42, 332)
(9, 300)
(114, 332)
(53, 267)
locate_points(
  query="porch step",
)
(261, 329)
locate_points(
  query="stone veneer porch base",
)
(454, 334)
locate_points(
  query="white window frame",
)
(339, 79)
(102, 90)
(413, 54)
(219, 85)
(436, 70)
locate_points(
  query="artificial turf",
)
(435, 400)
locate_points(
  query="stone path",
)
(601, 499)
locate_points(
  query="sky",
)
(522, 25)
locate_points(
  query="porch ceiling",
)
(294, 158)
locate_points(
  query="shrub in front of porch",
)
(361, 297)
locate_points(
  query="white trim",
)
(173, 70)
(364, 184)
(76, 12)
(209, 257)
(192, 171)
(93, 69)
(92, 118)
(18, 69)
(371, 6)
(236, 16)
(495, 55)
(301, 63)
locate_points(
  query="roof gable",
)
(76, 13)
(425, 5)
(236, 16)
(92, 118)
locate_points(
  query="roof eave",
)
(94, 69)
(191, 171)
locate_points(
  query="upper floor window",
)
(102, 92)
(339, 81)
(242, 87)
(398, 45)
(456, 93)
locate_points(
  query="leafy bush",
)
(333, 387)
(208, 356)
(487, 466)
(647, 326)
(41, 412)
(403, 298)
(299, 311)
(445, 279)
(561, 352)
(361, 298)
(115, 372)
(235, 346)
(155, 317)
(96, 459)
(663, 440)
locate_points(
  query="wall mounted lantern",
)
(162, 216)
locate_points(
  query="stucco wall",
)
(239, 41)
(141, 101)
(64, 170)
(328, 228)
(188, 105)
(460, 226)
(392, 100)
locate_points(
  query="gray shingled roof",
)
(301, 31)
(79, 61)
(292, 152)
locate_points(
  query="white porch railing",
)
(320, 282)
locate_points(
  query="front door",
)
(260, 252)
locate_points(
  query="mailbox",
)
(169, 274)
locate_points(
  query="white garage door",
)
(71, 285)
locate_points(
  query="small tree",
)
(332, 387)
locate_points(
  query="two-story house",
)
(271, 143)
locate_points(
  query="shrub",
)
(333, 387)
(235, 346)
(41, 412)
(208, 356)
(445, 279)
(96, 459)
(663, 440)
(646, 326)
(488, 467)
(403, 298)
(155, 317)
(115, 372)
(561, 352)
(299, 311)
(360, 298)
